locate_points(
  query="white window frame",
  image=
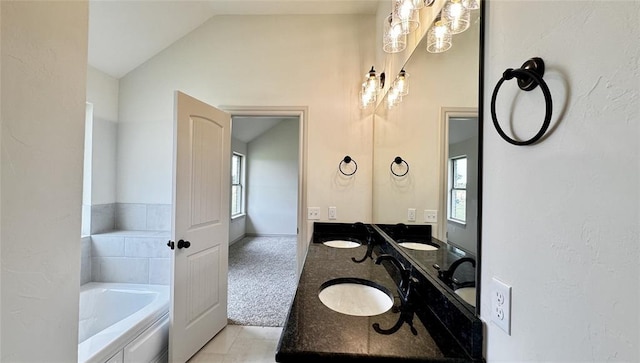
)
(453, 189)
(241, 184)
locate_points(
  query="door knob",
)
(170, 244)
(183, 244)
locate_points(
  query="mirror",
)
(435, 131)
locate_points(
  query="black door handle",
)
(183, 244)
(170, 244)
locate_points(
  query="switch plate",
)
(411, 215)
(313, 213)
(501, 305)
(430, 216)
(333, 213)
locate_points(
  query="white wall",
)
(238, 226)
(314, 61)
(102, 93)
(560, 219)
(44, 58)
(272, 181)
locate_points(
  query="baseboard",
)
(269, 235)
(237, 239)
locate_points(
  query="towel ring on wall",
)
(398, 160)
(529, 76)
(347, 159)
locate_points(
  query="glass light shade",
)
(393, 40)
(367, 96)
(457, 16)
(405, 17)
(393, 97)
(471, 4)
(401, 83)
(438, 38)
(418, 4)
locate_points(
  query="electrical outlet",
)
(430, 216)
(411, 215)
(313, 213)
(501, 305)
(333, 213)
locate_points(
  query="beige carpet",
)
(262, 280)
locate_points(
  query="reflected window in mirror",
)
(458, 189)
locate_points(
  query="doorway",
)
(267, 165)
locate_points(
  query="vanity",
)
(432, 325)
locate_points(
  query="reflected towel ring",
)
(529, 76)
(347, 159)
(398, 160)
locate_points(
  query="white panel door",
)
(201, 188)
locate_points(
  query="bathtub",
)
(122, 322)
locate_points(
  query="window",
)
(458, 189)
(237, 181)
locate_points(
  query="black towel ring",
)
(529, 76)
(398, 160)
(347, 159)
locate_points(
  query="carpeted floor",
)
(262, 280)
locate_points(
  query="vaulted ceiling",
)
(125, 34)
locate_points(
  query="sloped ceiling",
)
(125, 34)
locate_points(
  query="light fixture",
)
(398, 89)
(405, 16)
(393, 40)
(393, 97)
(370, 87)
(457, 16)
(438, 37)
(401, 83)
(471, 4)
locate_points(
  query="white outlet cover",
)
(411, 215)
(313, 213)
(501, 305)
(333, 213)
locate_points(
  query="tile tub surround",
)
(140, 257)
(314, 333)
(130, 216)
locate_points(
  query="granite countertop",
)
(315, 333)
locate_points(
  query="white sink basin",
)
(418, 246)
(468, 294)
(355, 297)
(339, 243)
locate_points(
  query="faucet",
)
(447, 275)
(405, 275)
(406, 309)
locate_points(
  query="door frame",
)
(301, 112)
(445, 114)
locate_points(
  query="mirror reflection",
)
(434, 130)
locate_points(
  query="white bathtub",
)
(119, 319)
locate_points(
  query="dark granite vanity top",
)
(315, 333)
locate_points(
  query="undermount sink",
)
(357, 297)
(342, 243)
(418, 246)
(468, 294)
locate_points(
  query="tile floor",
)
(240, 344)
